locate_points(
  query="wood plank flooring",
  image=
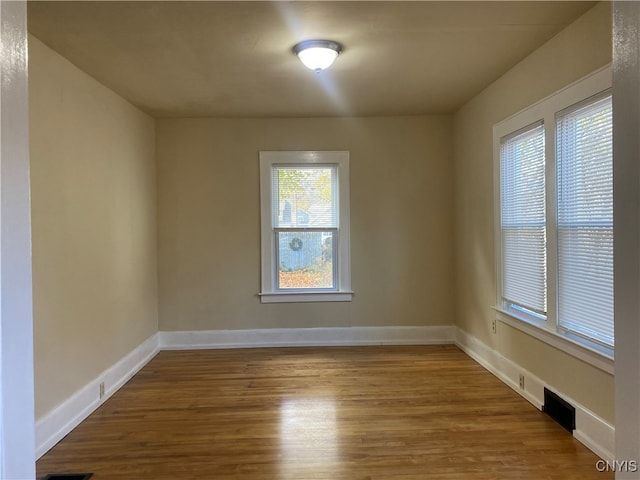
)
(357, 413)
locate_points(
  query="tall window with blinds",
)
(553, 168)
(584, 163)
(523, 222)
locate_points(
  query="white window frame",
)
(269, 268)
(545, 111)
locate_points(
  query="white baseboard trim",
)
(303, 337)
(591, 430)
(53, 426)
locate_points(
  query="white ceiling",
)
(230, 59)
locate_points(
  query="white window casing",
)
(304, 202)
(572, 127)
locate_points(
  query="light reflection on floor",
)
(309, 435)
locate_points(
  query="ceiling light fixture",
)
(317, 54)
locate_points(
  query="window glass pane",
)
(305, 197)
(305, 259)
(585, 221)
(522, 183)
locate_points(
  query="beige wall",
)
(209, 221)
(94, 226)
(576, 51)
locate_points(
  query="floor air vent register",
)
(560, 410)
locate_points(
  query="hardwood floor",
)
(357, 413)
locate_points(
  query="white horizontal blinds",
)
(522, 184)
(305, 197)
(585, 220)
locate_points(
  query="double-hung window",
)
(554, 219)
(523, 221)
(585, 220)
(305, 226)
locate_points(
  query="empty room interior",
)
(162, 136)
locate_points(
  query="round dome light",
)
(317, 54)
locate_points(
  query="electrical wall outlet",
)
(494, 328)
(521, 380)
(101, 389)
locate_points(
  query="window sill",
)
(596, 358)
(305, 297)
